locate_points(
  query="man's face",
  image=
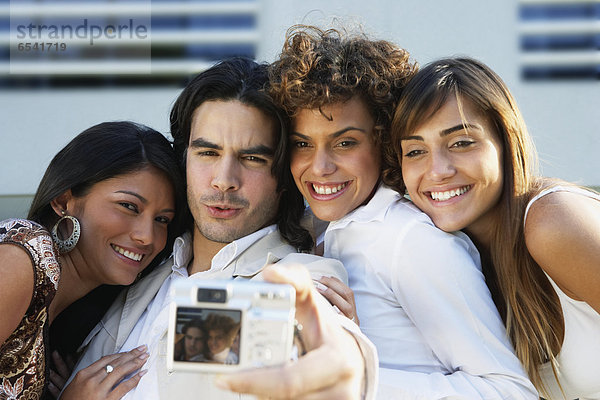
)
(194, 342)
(231, 191)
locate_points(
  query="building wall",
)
(562, 116)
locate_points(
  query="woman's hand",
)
(60, 370)
(333, 366)
(104, 378)
(339, 295)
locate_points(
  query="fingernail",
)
(142, 347)
(221, 382)
(142, 372)
(320, 286)
(144, 356)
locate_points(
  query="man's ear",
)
(61, 203)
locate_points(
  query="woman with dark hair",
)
(419, 291)
(465, 156)
(107, 206)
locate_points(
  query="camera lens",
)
(212, 295)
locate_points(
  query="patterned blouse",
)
(23, 368)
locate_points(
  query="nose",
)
(323, 163)
(226, 175)
(440, 166)
(143, 231)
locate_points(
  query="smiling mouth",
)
(322, 189)
(447, 195)
(126, 253)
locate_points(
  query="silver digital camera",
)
(225, 326)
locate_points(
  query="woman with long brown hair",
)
(467, 160)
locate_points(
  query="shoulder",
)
(317, 266)
(36, 241)
(559, 217)
(21, 230)
(562, 235)
(415, 228)
(29, 234)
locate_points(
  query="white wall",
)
(563, 117)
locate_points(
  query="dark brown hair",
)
(245, 80)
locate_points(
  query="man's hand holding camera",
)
(333, 366)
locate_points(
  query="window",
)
(184, 37)
(560, 39)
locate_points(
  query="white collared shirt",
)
(422, 300)
(153, 323)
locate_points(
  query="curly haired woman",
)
(420, 293)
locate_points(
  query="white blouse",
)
(422, 300)
(578, 369)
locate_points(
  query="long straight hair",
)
(104, 151)
(523, 294)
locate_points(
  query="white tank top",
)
(579, 357)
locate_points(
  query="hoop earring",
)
(68, 244)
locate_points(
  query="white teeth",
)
(328, 189)
(129, 254)
(443, 196)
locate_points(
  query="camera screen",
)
(207, 335)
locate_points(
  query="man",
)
(193, 344)
(232, 141)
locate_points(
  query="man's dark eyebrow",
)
(197, 143)
(334, 134)
(260, 149)
(445, 132)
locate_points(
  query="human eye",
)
(129, 206)
(347, 143)
(462, 143)
(413, 153)
(163, 220)
(255, 159)
(206, 153)
(300, 144)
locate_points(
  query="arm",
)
(96, 382)
(339, 295)
(16, 286)
(331, 280)
(443, 292)
(562, 235)
(335, 362)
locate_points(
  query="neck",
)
(72, 285)
(482, 231)
(204, 251)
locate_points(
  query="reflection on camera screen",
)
(207, 335)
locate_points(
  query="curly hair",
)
(319, 67)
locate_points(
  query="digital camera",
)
(225, 326)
